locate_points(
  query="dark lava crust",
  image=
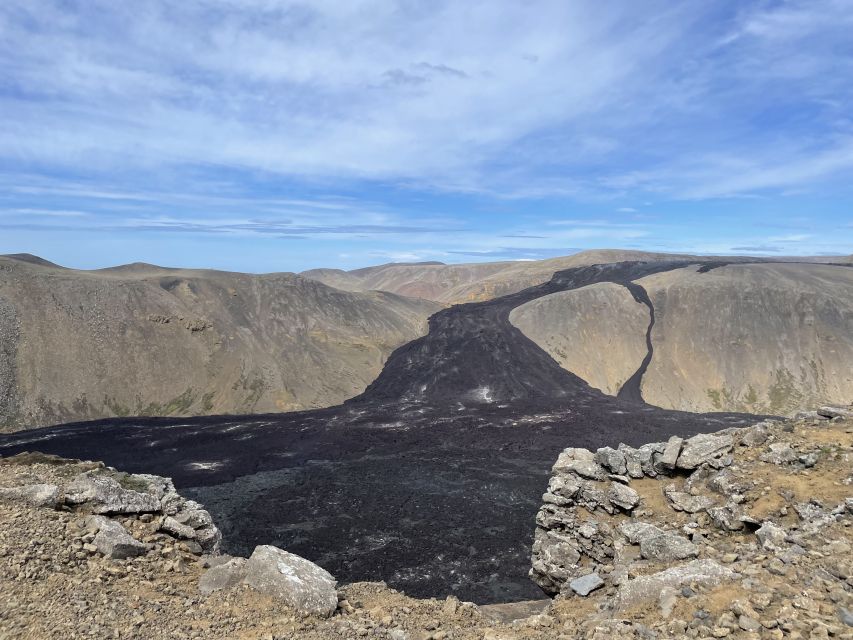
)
(429, 480)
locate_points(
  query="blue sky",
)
(269, 135)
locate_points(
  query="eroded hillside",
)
(761, 338)
(459, 283)
(144, 340)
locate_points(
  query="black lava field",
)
(429, 480)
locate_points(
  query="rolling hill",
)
(146, 340)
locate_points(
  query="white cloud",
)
(522, 100)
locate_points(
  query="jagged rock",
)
(210, 539)
(683, 501)
(808, 415)
(647, 588)
(835, 412)
(555, 558)
(296, 581)
(726, 482)
(647, 454)
(113, 540)
(581, 462)
(755, 435)
(103, 494)
(223, 576)
(633, 466)
(623, 496)
(779, 453)
(771, 536)
(657, 544)
(612, 459)
(704, 448)
(670, 453)
(585, 585)
(668, 547)
(37, 495)
(175, 528)
(726, 517)
(564, 486)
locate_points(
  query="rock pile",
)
(736, 510)
(743, 534)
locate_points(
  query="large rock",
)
(683, 501)
(835, 412)
(585, 585)
(296, 581)
(669, 456)
(555, 559)
(176, 529)
(579, 461)
(702, 449)
(37, 495)
(623, 496)
(223, 576)
(104, 494)
(113, 540)
(657, 544)
(648, 588)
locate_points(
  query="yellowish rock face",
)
(596, 332)
(762, 338)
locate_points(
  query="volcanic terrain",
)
(428, 480)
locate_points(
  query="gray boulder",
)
(683, 501)
(176, 529)
(585, 585)
(835, 412)
(633, 466)
(657, 544)
(623, 496)
(704, 449)
(104, 494)
(727, 517)
(579, 461)
(771, 536)
(668, 547)
(113, 540)
(670, 453)
(648, 588)
(555, 559)
(37, 495)
(612, 459)
(779, 453)
(223, 576)
(297, 582)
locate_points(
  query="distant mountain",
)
(146, 340)
(760, 338)
(475, 282)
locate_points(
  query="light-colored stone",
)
(585, 585)
(648, 588)
(623, 496)
(702, 449)
(670, 453)
(113, 540)
(103, 494)
(175, 528)
(37, 495)
(296, 581)
(223, 576)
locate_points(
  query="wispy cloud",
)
(439, 126)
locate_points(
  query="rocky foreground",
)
(744, 533)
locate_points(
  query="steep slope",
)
(144, 340)
(596, 332)
(460, 283)
(762, 338)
